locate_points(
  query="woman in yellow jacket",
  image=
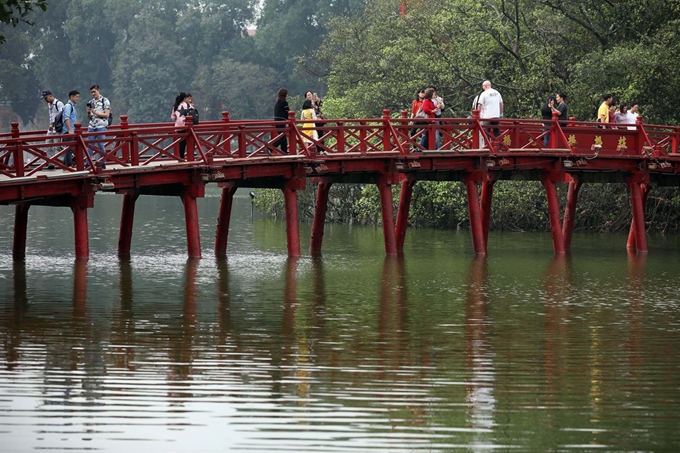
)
(308, 116)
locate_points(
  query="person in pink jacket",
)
(183, 102)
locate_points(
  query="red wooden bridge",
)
(143, 159)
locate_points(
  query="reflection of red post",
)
(570, 212)
(20, 230)
(407, 183)
(223, 219)
(476, 228)
(127, 218)
(385, 188)
(323, 188)
(644, 190)
(554, 213)
(638, 208)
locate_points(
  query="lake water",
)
(436, 351)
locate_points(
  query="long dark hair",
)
(282, 93)
(422, 90)
(307, 104)
(178, 100)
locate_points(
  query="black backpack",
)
(58, 123)
(109, 120)
(192, 112)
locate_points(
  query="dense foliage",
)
(363, 56)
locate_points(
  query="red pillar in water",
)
(476, 226)
(638, 208)
(20, 230)
(487, 198)
(385, 188)
(224, 219)
(644, 189)
(292, 222)
(320, 210)
(191, 218)
(79, 207)
(404, 208)
(127, 218)
(570, 212)
(554, 213)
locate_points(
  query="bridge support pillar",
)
(487, 197)
(476, 224)
(554, 213)
(191, 219)
(637, 237)
(224, 219)
(292, 219)
(570, 212)
(127, 218)
(323, 188)
(79, 206)
(407, 184)
(20, 230)
(384, 183)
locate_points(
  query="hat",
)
(45, 94)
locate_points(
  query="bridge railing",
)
(26, 154)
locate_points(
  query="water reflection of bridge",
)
(409, 374)
(143, 159)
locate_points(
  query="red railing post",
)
(134, 149)
(362, 137)
(554, 129)
(386, 139)
(340, 139)
(227, 143)
(241, 142)
(18, 155)
(126, 144)
(79, 148)
(292, 136)
(190, 139)
(476, 129)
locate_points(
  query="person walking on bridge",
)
(281, 109)
(98, 110)
(183, 104)
(490, 106)
(54, 107)
(70, 115)
(603, 111)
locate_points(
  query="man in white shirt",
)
(631, 116)
(54, 107)
(490, 106)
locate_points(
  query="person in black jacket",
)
(546, 115)
(281, 110)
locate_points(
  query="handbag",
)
(421, 113)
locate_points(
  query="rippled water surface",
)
(350, 352)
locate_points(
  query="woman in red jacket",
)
(429, 108)
(415, 106)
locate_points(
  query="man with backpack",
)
(99, 113)
(55, 108)
(70, 115)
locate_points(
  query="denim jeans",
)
(101, 146)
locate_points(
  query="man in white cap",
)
(55, 107)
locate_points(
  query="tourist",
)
(621, 115)
(54, 107)
(560, 106)
(281, 110)
(603, 111)
(632, 116)
(490, 106)
(308, 116)
(70, 115)
(546, 116)
(439, 106)
(428, 108)
(183, 103)
(612, 116)
(98, 111)
(416, 106)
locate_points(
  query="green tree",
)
(17, 11)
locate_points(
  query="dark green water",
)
(436, 351)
